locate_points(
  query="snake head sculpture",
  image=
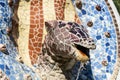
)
(68, 41)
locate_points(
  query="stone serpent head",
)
(66, 41)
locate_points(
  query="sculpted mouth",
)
(83, 50)
(82, 53)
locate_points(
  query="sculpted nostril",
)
(89, 41)
(80, 40)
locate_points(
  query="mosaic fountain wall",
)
(24, 43)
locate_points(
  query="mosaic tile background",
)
(106, 47)
(103, 59)
(12, 68)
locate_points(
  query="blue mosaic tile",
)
(101, 18)
(107, 44)
(7, 73)
(83, 11)
(2, 66)
(98, 37)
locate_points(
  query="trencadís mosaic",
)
(96, 17)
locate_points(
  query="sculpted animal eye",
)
(70, 23)
(61, 24)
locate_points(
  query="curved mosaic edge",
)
(116, 32)
(116, 22)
